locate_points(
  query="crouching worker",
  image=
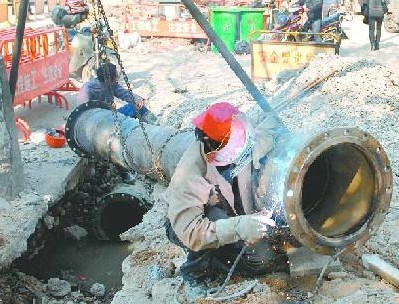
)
(210, 210)
(105, 87)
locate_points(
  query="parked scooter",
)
(73, 13)
(86, 43)
(87, 49)
(329, 25)
(288, 22)
(290, 25)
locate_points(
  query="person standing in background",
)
(315, 14)
(374, 11)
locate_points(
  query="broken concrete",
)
(304, 262)
(58, 288)
(360, 96)
(75, 232)
(19, 218)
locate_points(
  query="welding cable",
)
(333, 258)
(233, 267)
(237, 294)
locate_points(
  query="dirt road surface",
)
(358, 44)
(179, 82)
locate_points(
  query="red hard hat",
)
(215, 121)
(55, 138)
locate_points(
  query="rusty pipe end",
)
(334, 189)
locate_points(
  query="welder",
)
(210, 206)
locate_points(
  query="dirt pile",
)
(179, 82)
(332, 92)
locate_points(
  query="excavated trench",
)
(78, 239)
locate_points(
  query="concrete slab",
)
(48, 172)
(304, 262)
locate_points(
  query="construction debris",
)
(359, 93)
(385, 270)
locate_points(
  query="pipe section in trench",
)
(331, 190)
(119, 210)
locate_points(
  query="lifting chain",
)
(155, 161)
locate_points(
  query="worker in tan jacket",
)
(210, 211)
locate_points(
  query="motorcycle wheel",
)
(390, 25)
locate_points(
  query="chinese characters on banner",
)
(41, 76)
(183, 28)
(269, 58)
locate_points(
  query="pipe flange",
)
(114, 213)
(382, 192)
(69, 129)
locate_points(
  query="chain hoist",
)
(155, 160)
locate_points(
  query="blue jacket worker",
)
(101, 89)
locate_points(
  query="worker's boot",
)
(194, 271)
(372, 43)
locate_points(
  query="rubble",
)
(360, 93)
(76, 232)
(58, 288)
(97, 290)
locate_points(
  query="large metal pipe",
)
(90, 132)
(119, 210)
(331, 190)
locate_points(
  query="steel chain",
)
(156, 162)
(162, 148)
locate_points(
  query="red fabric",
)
(215, 122)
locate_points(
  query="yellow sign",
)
(271, 57)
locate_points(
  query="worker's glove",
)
(112, 106)
(249, 228)
(140, 102)
(264, 138)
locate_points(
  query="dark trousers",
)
(258, 259)
(374, 35)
